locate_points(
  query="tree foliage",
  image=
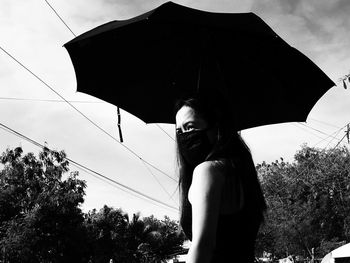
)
(115, 236)
(106, 232)
(41, 219)
(308, 202)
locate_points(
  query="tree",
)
(164, 238)
(113, 235)
(308, 202)
(40, 217)
(107, 230)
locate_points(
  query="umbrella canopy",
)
(144, 64)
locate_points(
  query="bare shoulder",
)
(207, 182)
(216, 167)
(210, 170)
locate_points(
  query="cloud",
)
(321, 19)
(87, 14)
(318, 28)
(225, 6)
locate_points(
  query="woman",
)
(221, 203)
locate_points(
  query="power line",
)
(332, 138)
(56, 13)
(333, 135)
(315, 129)
(47, 100)
(322, 139)
(176, 189)
(118, 108)
(124, 186)
(312, 161)
(82, 114)
(85, 168)
(160, 184)
(60, 17)
(339, 142)
(326, 123)
(298, 175)
(306, 130)
(114, 185)
(165, 132)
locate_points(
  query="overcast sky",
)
(32, 33)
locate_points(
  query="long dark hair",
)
(229, 145)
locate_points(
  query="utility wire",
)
(85, 168)
(322, 139)
(339, 142)
(176, 189)
(312, 161)
(53, 9)
(64, 100)
(315, 129)
(60, 17)
(47, 100)
(335, 181)
(124, 186)
(81, 113)
(118, 112)
(333, 139)
(334, 134)
(307, 131)
(112, 184)
(165, 132)
(157, 124)
(160, 184)
(326, 123)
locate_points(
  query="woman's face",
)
(188, 120)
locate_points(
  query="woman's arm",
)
(205, 197)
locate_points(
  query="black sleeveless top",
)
(235, 238)
(236, 232)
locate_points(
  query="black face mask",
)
(194, 146)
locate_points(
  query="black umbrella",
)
(144, 64)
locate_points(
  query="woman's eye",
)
(191, 128)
